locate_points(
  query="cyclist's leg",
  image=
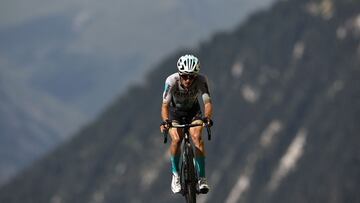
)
(176, 135)
(176, 138)
(200, 156)
(196, 135)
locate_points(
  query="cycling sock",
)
(175, 164)
(200, 164)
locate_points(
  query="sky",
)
(107, 25)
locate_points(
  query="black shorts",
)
(188, 116)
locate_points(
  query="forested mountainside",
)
(285, 85)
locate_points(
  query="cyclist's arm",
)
(166, 99)
(205, 94)
(165, 111)
(208, 109)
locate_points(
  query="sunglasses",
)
(187, 76)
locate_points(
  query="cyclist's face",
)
(187, 80)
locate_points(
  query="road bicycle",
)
(189, 176)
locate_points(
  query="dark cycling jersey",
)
(185, 99)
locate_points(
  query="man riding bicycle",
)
(180, 100)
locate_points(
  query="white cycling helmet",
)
(188, 64)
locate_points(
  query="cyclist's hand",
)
(208, 121)
(165, 125)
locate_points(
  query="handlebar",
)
(186, 125)
(165, 133)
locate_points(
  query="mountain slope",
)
(31, 123)
(286, 91)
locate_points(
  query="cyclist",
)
(180, 100)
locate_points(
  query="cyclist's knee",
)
(196, 132)
(176, 138)
(196, 136)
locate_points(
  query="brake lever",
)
(208, 131)
(165, 133)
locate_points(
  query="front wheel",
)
(189, 175)
(190, 194)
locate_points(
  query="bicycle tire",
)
(190, 181)
(190, 194)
